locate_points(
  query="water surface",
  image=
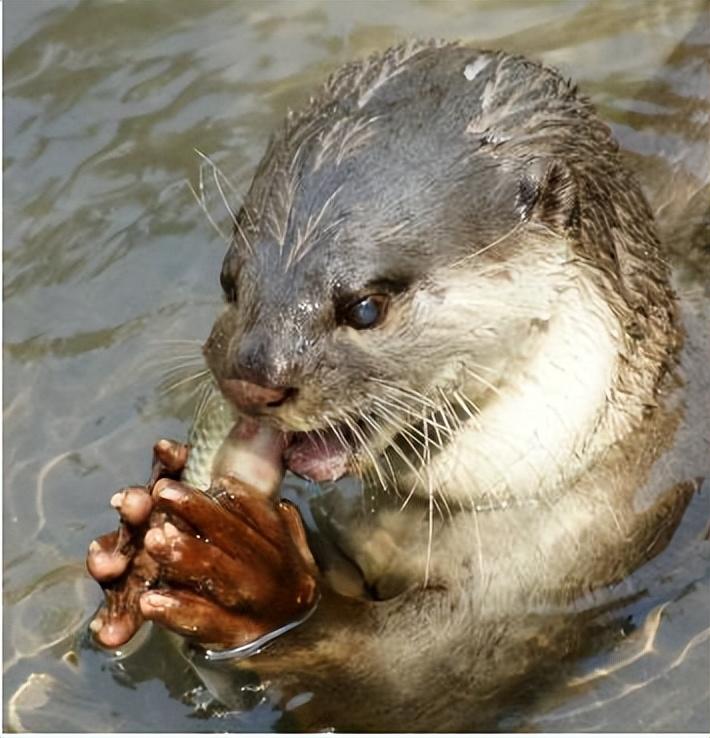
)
(107, 252)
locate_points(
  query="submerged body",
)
(444, 281)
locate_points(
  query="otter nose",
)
(260, 376)
(252, 397)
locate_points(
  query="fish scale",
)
(209, 430)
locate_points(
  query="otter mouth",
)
(319, 455)
(328, 454)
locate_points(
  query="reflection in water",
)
(106, 251)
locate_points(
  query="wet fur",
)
(527, 284)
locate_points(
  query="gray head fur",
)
(427, 161)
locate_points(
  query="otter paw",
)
(118, 560)
(169, 459)
(245, 569)
(120, 616)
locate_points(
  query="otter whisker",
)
(430, 494)
(234, 190)
(409, 496)
(413, 394)
(407, 410)
(397, 431)
(448, 417)
(321, 439)
(333, 428)
(379, 430)
(449, 423)
(168, 363)
(168, 369)
(393, 446)
(399, 407)
(366, 448)
(405, 459)
(430, 539)
(403, 403)
(423, 457)
(402, 428)
(201, 202)
(189, 396)
(167, 354)
(397, 424)
(183, 371)
(336, 431)
(176, 352)
(343, 418)
(216, 175)
(185, 380)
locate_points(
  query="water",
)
(106, 251)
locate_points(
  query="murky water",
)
(106, 252)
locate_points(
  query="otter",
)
(443, 282)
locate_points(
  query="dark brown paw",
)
(243, 571)
(119, 561)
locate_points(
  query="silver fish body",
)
(210, 428)
(223, 443)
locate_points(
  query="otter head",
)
(400, 252)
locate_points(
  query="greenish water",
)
(105, 252)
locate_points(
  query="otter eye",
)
(366, 313)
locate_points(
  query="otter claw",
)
(119, 561)
(169, 459)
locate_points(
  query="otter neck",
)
(551, 420)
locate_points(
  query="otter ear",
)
(548, 194)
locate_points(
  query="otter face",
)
(387, 270)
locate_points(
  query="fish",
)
(224, 443)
